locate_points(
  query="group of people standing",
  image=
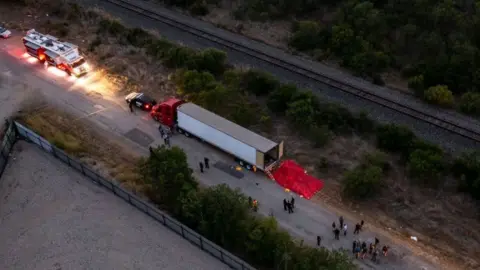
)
(360, 249)
(289, 205)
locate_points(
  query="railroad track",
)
(309, 73)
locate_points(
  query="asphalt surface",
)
(111, 116)
(52, 217)
(450, 141)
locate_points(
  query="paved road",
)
(382, 114)
(110, 114)
(52, 217)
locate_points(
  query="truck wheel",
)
(155, 118)
(187, 134)
(248, 166)
(241, 163)
(179, 130)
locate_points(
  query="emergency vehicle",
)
(51, 51)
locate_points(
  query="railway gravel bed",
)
(54, 218)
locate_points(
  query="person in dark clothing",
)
(207, 165)
(341, 221)
(337, 233)
(357, 229)
(292, 202)
(319, 240)
(162, 133)
(364, 249)
(201, 166)
(285, 204)
(375, 255)
(376, 241)
(333, 225)
(354, 246)
(361, 224)
(290, 209)
(370, 248)
(130, 105)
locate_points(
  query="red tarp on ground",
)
(290, 175)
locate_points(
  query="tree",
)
(466, 169)
(224, 215)
(179, 57)
(302, 112)
(362, 182)
(211, 60)
(417, 84)
(439, 95)
(279, 99)
(306, 36)
(267, 243)
(192, 83)
(258, 82)
(167, 177)
(394, 138)
(470, 103)
(426, 165)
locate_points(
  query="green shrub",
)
(362, 182)
(302, 113)
(377, 159)
(258, 82)
(363, 124)
(394, 138)
(191, 83)
(211, 60)
(336, 117)
(466, 169)
(470, 103)
(168, 178)
(199, 8)
(426, 166)
(439, 95)
(138, 37)
(243, 114)
(306, 35)
(416, 83)
(279, 99)
(112, 27)
(159, 48)
(179, 57)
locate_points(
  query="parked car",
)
(140, 100)
(4, 32)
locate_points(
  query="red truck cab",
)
(166, 112)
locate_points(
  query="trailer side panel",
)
(217, 138)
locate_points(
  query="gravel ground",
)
(54, 218)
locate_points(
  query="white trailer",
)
(251, 150)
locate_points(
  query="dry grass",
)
(436, 218)
(79, 139)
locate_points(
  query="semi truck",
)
(249, 149)
(50, 51)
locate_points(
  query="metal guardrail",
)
(304, 71)
(206, 245)
(9, 139)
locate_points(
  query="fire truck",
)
(53, 52)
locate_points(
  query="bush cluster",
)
(431, 42)
(223, 215)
